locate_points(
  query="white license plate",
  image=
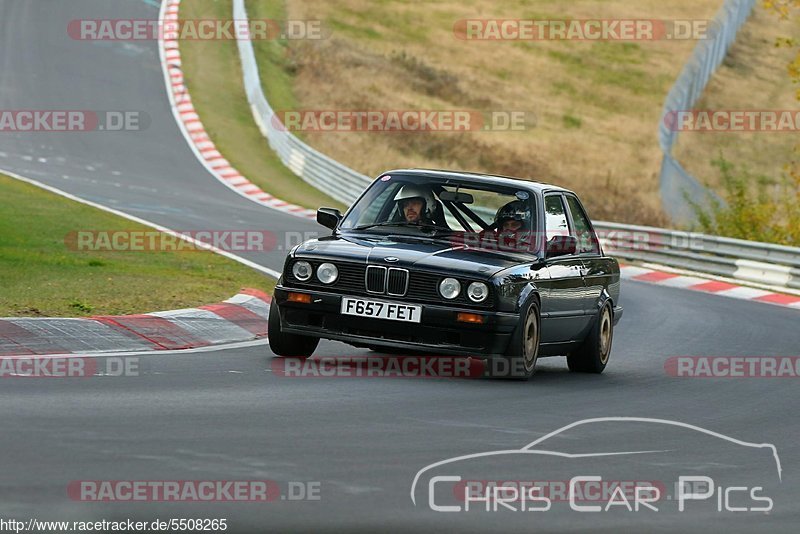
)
(376, 309)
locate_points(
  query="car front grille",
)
(377, 281)
(397, 282)
(387, 280)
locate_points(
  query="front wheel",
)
(283, 344)
(519, 362)
(592, 356)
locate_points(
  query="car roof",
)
(507, 181)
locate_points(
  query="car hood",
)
(410, 252)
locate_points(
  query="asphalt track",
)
(227, 415)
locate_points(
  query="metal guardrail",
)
(708, 55)
(326, 174)
(744, 260)
(749, 261)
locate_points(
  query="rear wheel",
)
(519, 362)
(283, 344)
(592, 356)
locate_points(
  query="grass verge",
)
(213, 76)
(752, 77)
(40, 275)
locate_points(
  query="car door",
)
(565, 313)
(597, 269)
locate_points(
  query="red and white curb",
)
(705, 285)
(240, 318)
(193, 129)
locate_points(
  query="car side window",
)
(587, 242)
(555, 217)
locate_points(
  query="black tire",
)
(593, 354)
(289, 345)
(519, 362)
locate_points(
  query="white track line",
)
(207, 348)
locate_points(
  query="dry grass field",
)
(597, 104)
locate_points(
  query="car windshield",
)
(420, 205)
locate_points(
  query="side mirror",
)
(329, 217)
(561, 245)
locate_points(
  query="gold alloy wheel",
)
(605, 335)
(531, 346)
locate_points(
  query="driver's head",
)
(513, 217)
(415, 202)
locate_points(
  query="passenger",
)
(513, 223)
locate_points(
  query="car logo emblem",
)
(391, 259)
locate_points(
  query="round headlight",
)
(302, 270)
(477, 291)
(327, 273)
(450, 288)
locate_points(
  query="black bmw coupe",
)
(453, 263)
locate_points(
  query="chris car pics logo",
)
(665, 466)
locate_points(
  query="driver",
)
(416, 203)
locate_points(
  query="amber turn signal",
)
(299, 297)
(470, 318)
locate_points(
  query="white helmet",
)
(417, 191)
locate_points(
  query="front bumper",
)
(438, 332)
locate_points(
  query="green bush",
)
(756, 208)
